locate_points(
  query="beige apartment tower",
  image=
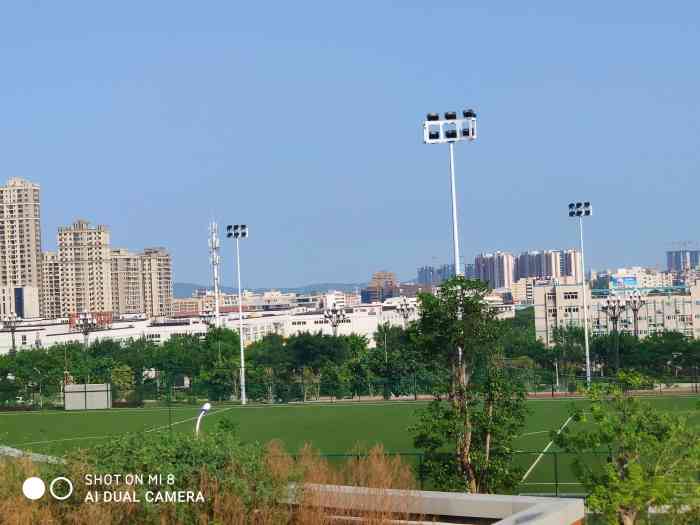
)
(127, 282)
(51, 288)
(142, 283)
(157, 282)
(84, 268)
(20, 234)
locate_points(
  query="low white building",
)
(663, 309)
(362, 320)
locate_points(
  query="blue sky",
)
(303, 119)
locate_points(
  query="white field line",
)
(551, 483)
(63, 439)
(533, 433)
(213, 413)
(534, 464)
(155, 429)
(110, 411)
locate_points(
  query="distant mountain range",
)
(184, 290)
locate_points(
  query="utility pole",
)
(613, 308)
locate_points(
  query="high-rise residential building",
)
(20, 234)
(84, 269)
(470, 271)
(50, 288)
(433, 276)
(127, 282)
(540, 264)
(682, 260)
(495, 269)
(571, 264)
(157, 282)
(426, 276)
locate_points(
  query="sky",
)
(303, 120)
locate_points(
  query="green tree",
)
(485, 410)
(646, 458)
(122, 380)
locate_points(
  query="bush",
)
(241, 483)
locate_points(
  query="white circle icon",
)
(70, 488)
(33, 488)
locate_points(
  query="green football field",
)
(332, 428)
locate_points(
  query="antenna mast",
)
(214, 246)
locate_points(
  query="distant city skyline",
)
(309, 130)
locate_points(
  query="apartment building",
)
(84, 261)
(157, 270)
(570, 261)
(20, 234)
(664, 309)
(538, 264)
(20, 248)
(497, 269)
(51, 287)
(127, 282)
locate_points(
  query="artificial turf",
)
(331, 428)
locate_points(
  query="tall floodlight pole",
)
(635, 303)
(613, 308)
(9, 324)
(335, 316)
(581, 210)
(238, 232)
(405, 310)
(448, 131)
(215, 258)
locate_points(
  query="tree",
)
(122, 380)
(647, 458)
(497, 407)
(484, 412)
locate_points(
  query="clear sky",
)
(304, 120)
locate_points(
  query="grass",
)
(330, 428)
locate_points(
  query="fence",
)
(265, 385)
(543, 473)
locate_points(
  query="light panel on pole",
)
(450, 128)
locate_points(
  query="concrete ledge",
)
(503, 510)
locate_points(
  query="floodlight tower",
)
(237, 232)
(449, 130)
(581, 210)
(215, 258)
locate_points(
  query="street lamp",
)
(335, 316)
(635, 302)
(206, 407)
(581, 210)
(405, 310)
(613, 308)
(449, 130)
(41, 400)
(86, 323)
(9, 324)
(237, 232)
